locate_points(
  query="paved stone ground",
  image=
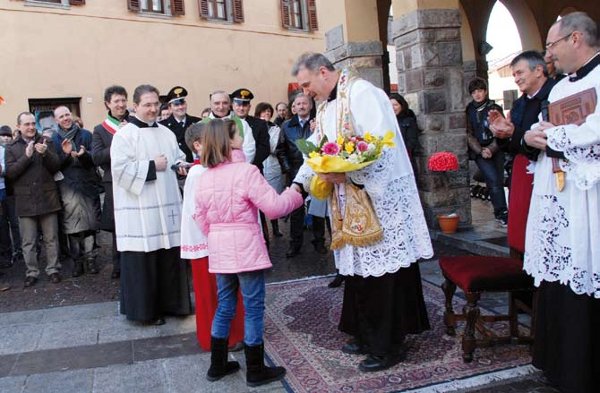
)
(69, 337)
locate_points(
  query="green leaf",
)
(324, 140)
(306, 147)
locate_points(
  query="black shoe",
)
(321, 249)
(337, 281)
(277, 234)
(354, 348)
(502, 219)
(292, 252)
(156, 322)
(374, 363)
(55, 278)
(115, 274)
(30, 281)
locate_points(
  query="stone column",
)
(430, 76)
(365, 56)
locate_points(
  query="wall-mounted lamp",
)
(484, 48)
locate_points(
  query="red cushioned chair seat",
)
(481, 273)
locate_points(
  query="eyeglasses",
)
(550, 45)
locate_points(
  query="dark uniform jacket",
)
(32, 177)
(260, 132)
(179, 131)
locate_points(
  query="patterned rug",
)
(301, 334)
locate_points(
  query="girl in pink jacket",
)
(228, 197)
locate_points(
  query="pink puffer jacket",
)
(227, 201)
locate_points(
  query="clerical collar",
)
(135, 120)
(586, 68)
(333, 94)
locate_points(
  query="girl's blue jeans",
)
(252, 285)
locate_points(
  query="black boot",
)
(257, 373)
(219, 366)
(77, 267)
(92, 268)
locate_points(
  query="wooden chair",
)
(479, 274)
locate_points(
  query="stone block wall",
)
(431, 77)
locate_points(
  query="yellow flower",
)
(349, 147)
(368, 137)
(313, 154)
(340, 141)
(388, 139)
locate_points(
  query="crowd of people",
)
(182, 190)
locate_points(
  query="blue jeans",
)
(493, 172)
(252, 285)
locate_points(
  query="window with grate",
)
(299, 15)
(61, 2)
(159, 7)
(222, 10)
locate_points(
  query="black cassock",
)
(154, 284)
(380, 311)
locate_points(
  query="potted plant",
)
(445, 161)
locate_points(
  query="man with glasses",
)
(562, 248)
(179, 120)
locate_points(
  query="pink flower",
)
(362, 146)
(331, 149)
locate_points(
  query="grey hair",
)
(310, 101)
(580, 21)
(210, 96)
(312, 62)
(533, 59)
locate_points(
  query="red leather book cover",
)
(573, 109)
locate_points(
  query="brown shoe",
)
(55, 278)
(30, 281)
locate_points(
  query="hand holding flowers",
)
(332, 159)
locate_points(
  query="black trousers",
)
(380, 311)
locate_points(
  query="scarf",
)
(69, 135)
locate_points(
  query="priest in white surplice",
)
(383, 297)
(147, 206)
(562, 248)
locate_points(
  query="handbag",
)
(359, 225)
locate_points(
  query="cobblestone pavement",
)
(68, 337)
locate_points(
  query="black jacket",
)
(524, 114)
(32, 177)
(179, 131)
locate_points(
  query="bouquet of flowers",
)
(443, 161)
(345, 154)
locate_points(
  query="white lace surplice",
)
(389, 182)
(563, 228)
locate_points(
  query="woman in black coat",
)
(407, 121)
